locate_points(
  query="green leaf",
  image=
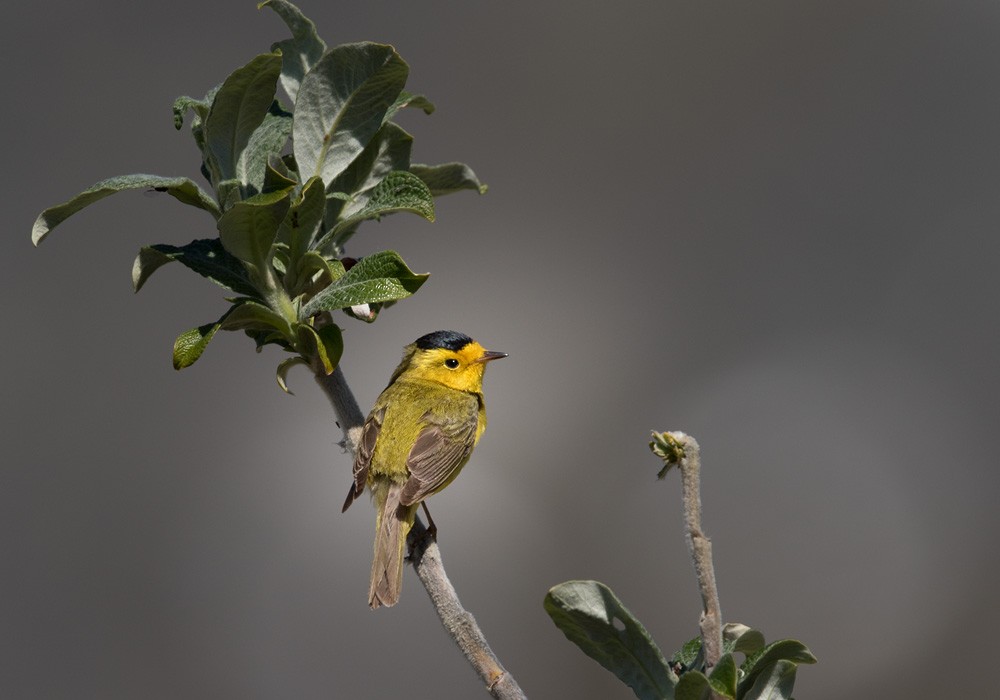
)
(205, 256)
(277, 176)
(312, 262)
(399, 191)
(326, 344)
(591, 617)
(302, 222)
(340, 106)
(689, 655)
(282, 372)
(251, 316)
(740, 638)
(693, 685)
(238, 109)
(775, 682)
(735, 638)
(298, 229)
(783, 650)
(267, 140)
(405, 100)
(201, 109)
(314, 272)
(723, 677)
(248, 230)
(190, 344)
(388, 150)
(379, 277)
(300, 53)
(181, 188)
(448, 177)
(262, 338)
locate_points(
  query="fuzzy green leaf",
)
(723, 677)
(181, 188)
(775, 682)
(251, 316)
(379, 277)
(312, 263)
(326, 343)
(238, 109)
(388, 150)
(340, 105)
(399, 191)
(405, 100)
(740, 638)
(448, 177)
(302, 222)
(249, 228)
(277, 175)
(205, 256)
(262, 338)
(735, 638)
(183, 103)
(282, 372)
(591, 617)
(300, 53)
(783, 650)
(689, 655)
(693, 685)
(190, 344)
(298, 229)
(201, 109)
(267, 140)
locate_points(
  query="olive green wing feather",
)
(441, 449)
(363, 459)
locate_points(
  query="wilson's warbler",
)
(416, 440)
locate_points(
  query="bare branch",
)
(459, 623)
(426, 558)
(678, 448)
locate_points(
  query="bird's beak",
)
(490, 355)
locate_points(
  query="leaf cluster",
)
(593, 618)
(289, 186)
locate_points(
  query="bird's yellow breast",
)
(410, 406)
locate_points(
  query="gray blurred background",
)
(772, 225)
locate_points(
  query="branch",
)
(426, 557)
(678, 448)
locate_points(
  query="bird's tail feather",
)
(392, 526)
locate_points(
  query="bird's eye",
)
(451, 363)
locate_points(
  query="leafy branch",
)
(289, 187)
(593, 618)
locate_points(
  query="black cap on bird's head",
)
(451, 340)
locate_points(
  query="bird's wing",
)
(363, 459)
(442, 447)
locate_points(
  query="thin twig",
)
(678, 448)
(458, 622)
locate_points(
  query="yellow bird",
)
(416, 440)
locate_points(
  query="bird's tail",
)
(392, 525)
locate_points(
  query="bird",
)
(418, 436)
